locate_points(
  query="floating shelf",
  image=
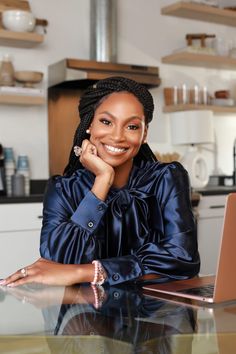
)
(22, 100)
(201, 60)
(191, 107)
(201, 12)
(20, 39)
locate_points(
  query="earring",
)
(145, 141)
(77, 150)
(87, 131)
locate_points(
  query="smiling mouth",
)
(114, 149)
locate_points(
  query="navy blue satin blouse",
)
(146, 227)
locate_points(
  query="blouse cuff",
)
(89, 212)
(121, 269)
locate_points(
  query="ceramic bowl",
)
(18, 20)
(28, 78)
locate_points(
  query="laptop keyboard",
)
(204, 290)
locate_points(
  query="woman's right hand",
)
(92, 162)
(103, 171)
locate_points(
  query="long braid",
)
(89, 102)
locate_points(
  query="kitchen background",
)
(144, 37)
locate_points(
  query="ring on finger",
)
(24, 272)
(77, 150)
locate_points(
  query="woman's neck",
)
(122, 174)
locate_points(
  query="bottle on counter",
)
(7, 72)
(10, 168)
(2, 173)
(24, 169)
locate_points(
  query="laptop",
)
(210, 289)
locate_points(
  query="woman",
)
(117, 214)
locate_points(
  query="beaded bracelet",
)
(99, 274)
(99, 295)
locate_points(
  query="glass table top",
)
(41, 319)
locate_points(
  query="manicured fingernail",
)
(2, 281)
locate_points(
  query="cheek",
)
(136, 139)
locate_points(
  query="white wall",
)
(144, 37)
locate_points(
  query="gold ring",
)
(24, 272)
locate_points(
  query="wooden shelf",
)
(20, 39)
(22, 100)
(201, 60)
(201, 12)
(191, 107)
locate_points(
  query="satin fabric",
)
(146, 227)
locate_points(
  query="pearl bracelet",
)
(99, 273)
(99, 295)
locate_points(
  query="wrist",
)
(102, 185)
(100, 274)
(84, 273)
(106, 177)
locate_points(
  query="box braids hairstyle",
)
(89, 102)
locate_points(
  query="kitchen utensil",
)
(18, 20)
(28, 78)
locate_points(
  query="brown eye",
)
(133, 127)
(105, 121)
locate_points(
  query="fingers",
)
(18, 278)
(87, 147)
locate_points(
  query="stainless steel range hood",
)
(76, 73)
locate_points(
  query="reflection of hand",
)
(41, 297)
(45, 296)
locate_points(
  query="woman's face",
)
(118, 128)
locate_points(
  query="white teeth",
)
(114, 149)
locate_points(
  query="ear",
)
(145, 134)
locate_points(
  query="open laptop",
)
(222, 286)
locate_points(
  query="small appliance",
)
(193, 128)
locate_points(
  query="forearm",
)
(73, 234)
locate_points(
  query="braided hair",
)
(88, 104)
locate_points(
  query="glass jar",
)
(7, 72)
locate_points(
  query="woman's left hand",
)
(49, 272)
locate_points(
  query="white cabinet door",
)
(20, 226)
(20, 216)
(209, 230)
(18, 249)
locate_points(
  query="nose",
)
(118, 133)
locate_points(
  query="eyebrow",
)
(127, 119)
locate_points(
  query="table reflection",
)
(126, 322)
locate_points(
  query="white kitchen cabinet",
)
(210, 218)
(20, 226)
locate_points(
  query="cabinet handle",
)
(217, 207)
(40, 216)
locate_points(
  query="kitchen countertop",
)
(37, 188)
(215, 190)
(33, 198)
